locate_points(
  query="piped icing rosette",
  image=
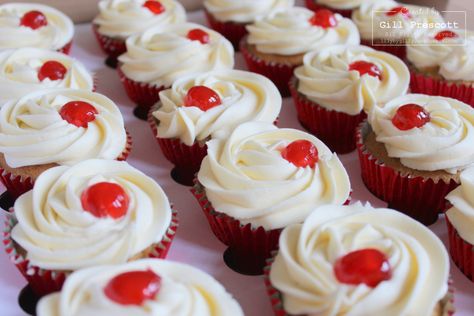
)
(159, 56)
(351, 78)
(271, 177)
(34, 25)
(144, 287)
(60, 126)
(459, 64)
(122, 18)
(95, 212)
(28, 69)
(357, 260)
(246, 10)
(240, 96)
(341, 4)
(292, 32)
(426, 132)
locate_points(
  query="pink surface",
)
(195, 244)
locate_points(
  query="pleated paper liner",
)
(233, 31)
(16, 184)
(421, 198)
(398, 50)
(313, 6)
(112, 47)
(461, 251)
(43, 281)
(336, 129)
(66, 49)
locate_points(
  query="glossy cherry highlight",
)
(34, 20)
(366, 266)
(105, 199)
(365, 67)
(53, 70)
(198, 35)
(409, 116)
(323, 18)
(445, 34)
(155, 7)
(202, 97)
(302, 153)
(399, 10)
(78, 113)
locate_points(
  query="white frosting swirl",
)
(245, 11)
(303, 269)
(53, 36)
(58, 234)
(459, 64)
(122, 18)
(325, 78)
(290, 32)
(246, 177)
(32, 131)
(444, 143)
(184, 291)
(342, 4)
(245, 96)
(160, 55)
(19, 72)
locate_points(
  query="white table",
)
(194, 243)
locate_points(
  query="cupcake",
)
(343, 7)
(459, 219)
(199, 108)
(95, 212)
(441, 63)
(142, 287)
(159, 56)
(34, 25)
(55, 127)
(276, 44)
(412, 151)
(334, 88)
(261, 179)
(358, 260)
(229, 17)
(30, 69)
(118, 20)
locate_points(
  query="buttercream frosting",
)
(245, 11)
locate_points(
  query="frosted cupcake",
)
(357, 260)
(57, 127)
(199, 108)
(119, 19)
(276, 44)
(334, 88)
(95, 212)
(343, 7)
(143, 287)
(230, 17)
(34, 25)
(413, 150)
(30, 69)
(261, 179)
(159, 56)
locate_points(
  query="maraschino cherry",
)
(133, 288)
(324, 18)
(105, 199)
(302, 153)
(155, 7)
(53, 70)
(198, 35)
(34, 20)
(409, 116)
(365, 266)
(202, 97)
(399, 10)
(445, 34)
(78, 113)
(365, 67)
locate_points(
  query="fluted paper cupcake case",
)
(44, 281)
(66, 49)
(461, 251)
(16, 185)
(233, 31)
(313, 6)
(398, 50)
(420, 83)
(418, 197)
(336, 129)
(112, 47)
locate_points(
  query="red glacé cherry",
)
(133, 288)
(198, 35)
(409, 116)
(324, 18)
(302, 153)
(34, 20)
(399, 10)
(154, 6)
(365, 266)
(445, 34)
(105, 199)
(365, 67)
(52, 70)
(78, 113)
(202, 97)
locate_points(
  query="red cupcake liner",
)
(233, 31)
(418, 197)
(44, 281)
(398, 50)
(420, 83)
(280, 74)
(111, 46)
(66, 49)
(16, 185)
(461, 251)
(313, 6)
(336, 129)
